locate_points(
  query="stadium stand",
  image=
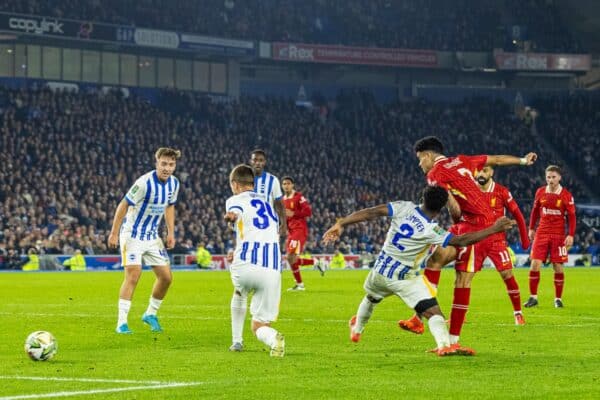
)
(68, 158)
(419, 24)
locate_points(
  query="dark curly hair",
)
(435, 198)
(429, 143)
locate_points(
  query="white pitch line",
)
(100, 380)
(96, 391)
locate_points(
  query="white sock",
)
(534, 296)
(439, 330)
(153, 306)
(266, 334)
(238, 316)
(365, 309)
(124, 306)
(454, 339)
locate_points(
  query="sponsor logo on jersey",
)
(550, 211)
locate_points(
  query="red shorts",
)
(295, 243)
(471, 258)
(553, 245)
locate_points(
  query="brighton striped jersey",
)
(268, 185)
(148, 199)
(256, 228)
(409, 241)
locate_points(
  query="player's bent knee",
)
(373, 300)
(424, 305)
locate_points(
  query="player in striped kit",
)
(268, 185)
(407, 248)
(256, 265)
(135, 229)
(551, 204)
(456, 174)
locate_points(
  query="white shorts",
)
(411, 291)
(147, 252)
(266, 285)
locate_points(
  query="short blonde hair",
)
(242, 174)
(167, 152)
(554, 168)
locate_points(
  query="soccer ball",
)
(41, 346)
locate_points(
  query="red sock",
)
(559, 282)
(460, 305)
(296, 272)
(512, 287)
(534, 281)
(433, 276)
(307, 261)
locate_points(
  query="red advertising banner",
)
(543, 62)
(302, 52)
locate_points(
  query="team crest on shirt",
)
(493, 202)
(558, 203)
(291, 204)
(438, 230)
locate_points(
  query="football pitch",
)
(555, 355)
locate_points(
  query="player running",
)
(551, 204)
(500, 199)
(256, 266)
(297, 210)
(407, 247)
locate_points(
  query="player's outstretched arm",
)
(502, 224)
(502, 160)
(365, 214)
(113, 237)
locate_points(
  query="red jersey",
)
(299, 205)
(499, 198)
(550, 208)
(456, 175)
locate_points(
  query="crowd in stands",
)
(572, 126)
(462, 25)
(68, 158)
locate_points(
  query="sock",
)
(512, 288)
(433, 276)
(559, 283)
(153, 306)
(460, 305)
(238, 316)
(296, 272)
(307, 261)
(124, 306)
(365, 309)
(266, 334)
(437, 327)
(534, 281)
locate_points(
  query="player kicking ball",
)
(408, 245)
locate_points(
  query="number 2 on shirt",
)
(406, 231)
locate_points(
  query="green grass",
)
(556, 355)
